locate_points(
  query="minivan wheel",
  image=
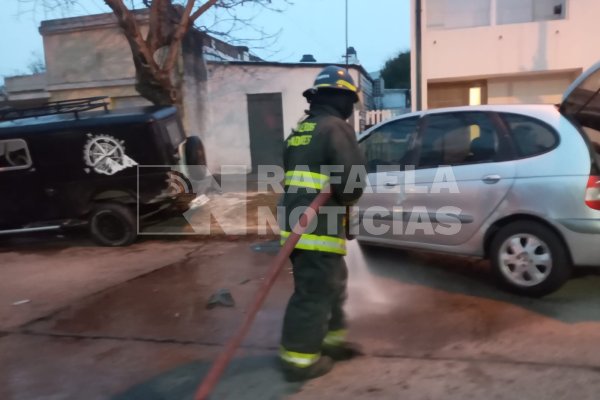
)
(113, 224)
(529, 259)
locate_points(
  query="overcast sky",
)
(379, 29)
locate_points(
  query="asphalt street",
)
(83, 322)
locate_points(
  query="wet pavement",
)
(432, 327)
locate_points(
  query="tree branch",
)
(159, 12)
(129, 24)
(181, 30)
(202, 9)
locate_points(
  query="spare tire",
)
(195, 158)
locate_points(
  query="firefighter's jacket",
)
(321, 151)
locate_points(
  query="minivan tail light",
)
(592, 193)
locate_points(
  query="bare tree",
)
(36, 65)
(155, 56)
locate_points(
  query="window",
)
(519, 11)
(458, 139)
(14, 155)
(390, 144)
(594, 137)
(448, 14)
(530, 137)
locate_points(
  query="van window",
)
(458, 138)
(390, 144)
(14, 155)
(530, 136)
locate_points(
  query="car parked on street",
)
(76, 163)
(517, 184)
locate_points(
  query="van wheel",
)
(113, 224)
(529, 259)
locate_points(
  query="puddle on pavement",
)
(170, 303)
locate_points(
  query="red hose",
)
(275, 268)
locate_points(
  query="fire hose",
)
(220, 364)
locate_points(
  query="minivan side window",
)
(14, 155)
(530, 136)
(390, 144)
(458, 138)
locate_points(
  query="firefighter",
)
(321, 151)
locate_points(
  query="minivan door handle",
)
(491, 179)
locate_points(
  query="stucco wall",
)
(534, 89)
(504, 50)
(227, 134)
(69, 59)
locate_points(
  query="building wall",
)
(70, 63)
(502, 51)
(543, 88)
(29, 90)
(194, 86)
(395, 98)
(227, 132)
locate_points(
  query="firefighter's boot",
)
(294, 373)
(343, 351)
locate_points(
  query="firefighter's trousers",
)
(314, 314)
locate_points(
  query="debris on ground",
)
(21, 302)
(221, 297)
(244, 281)
(271, 247)
(199, 201)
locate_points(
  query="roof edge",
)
(358, 67)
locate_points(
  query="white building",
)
(500, 51)
(252, 106)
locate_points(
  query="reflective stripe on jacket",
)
(321, 148)
(306, 179)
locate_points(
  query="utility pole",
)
(346, 51)
(418, 55)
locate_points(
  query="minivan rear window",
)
(530, 136)
(594, 136)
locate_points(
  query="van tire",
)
(537, 242)
(113, 225)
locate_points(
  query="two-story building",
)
(500, 51)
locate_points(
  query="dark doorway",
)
(265, 116)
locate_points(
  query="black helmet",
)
(333, 78)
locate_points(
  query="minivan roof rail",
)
(75, 106)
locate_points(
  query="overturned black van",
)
(76, 163)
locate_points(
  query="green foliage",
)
(396, 71)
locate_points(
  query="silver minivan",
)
(518, 185)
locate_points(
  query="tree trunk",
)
(153, 81)
(157, 81)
